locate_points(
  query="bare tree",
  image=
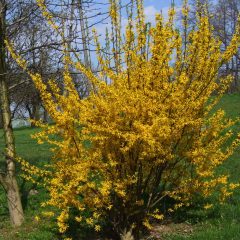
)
(224, 17)
(225, 20)
(8, 178)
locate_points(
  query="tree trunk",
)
(1, 119)
(35, 114)
(45, 116)
(84, 42)
(83, 33)
(8, 179)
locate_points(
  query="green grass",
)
(222, 222)
(28, 149)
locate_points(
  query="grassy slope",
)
(28, 149)
(223, 222)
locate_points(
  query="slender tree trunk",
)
(1, 119)
(35, 113)
(84, 37)
(84, 42)
(45, 116)
(236, 75)
(8, 179)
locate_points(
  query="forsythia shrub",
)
(149, 123)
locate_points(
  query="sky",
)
(151, 8)
(160, 4)
(154, 6)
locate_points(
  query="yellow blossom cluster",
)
(145, 135)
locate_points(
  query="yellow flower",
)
(97, 228)
(208, 206)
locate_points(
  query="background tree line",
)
(22, 23)
(224, 17)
